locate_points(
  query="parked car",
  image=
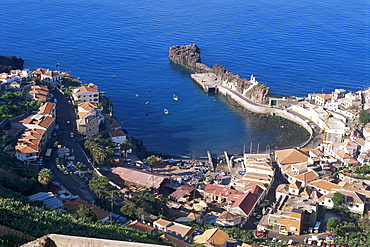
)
(258, 217)
(71, 135)
(261, 233)
(68, 122)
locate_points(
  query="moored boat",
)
(166, 111)
(175, 97)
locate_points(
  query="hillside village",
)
(285, 196)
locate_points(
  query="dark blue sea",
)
(295, 47)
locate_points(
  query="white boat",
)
(175, 97)
(166, 111)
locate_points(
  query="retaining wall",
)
(260, 109)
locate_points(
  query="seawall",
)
(260, 109)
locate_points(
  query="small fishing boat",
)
(147, 103)
(175, 97)
(166, 111)
(136, 95)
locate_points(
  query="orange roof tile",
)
(307, 176)
(291, 156)
(325, 185)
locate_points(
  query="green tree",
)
(44, 177)
(364, 116)
(100, 148)
(79, 166)
(153, 161)
(126, 145)
(99, 185)
(338, 200)
(332, 223)
(85, 214)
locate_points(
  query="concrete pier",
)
(208, 81)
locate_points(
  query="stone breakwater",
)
(189, 57)
(251, 95)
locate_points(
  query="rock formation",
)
(189, 57)
(9, 63)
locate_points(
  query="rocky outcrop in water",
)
(189, 57)
(9, 63)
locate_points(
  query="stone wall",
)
(189, 57)
(260, 109)
(57, 240)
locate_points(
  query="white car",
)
(258, 217)
(274, 240)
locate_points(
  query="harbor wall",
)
(260, 109)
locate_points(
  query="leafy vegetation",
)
(354, 234)
(37, 222)
(153, 161)
(15, 105)
(145, 202)
(17, 177)
(338, 200)
(126, 145)
(364, 116)
(44, 177)
(332, 223)
(100, 148)
(100, 186)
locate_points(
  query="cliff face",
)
(9, 63)
(189, 57)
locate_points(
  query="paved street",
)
(70, 182)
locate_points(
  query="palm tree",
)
(44, 177)
(126, 145)
(90, 144)
(153, 161)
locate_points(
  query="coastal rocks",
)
(9, 63)
(189, 57)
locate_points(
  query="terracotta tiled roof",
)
(214, 236)
(46, 122)
(84, 90)
(174, 240)
(307, 176)
(82, 114)
(324, 96)
(74, 204)
(137, 225)
(221, 191)
(184, 231)
(322, 184)
(162, 222)
(47, 108)
(246, 202)
(117, 133)
(193, 216)
(139, 177)
(181, 191)
(88, 106)
(295, 185)
(291, 156)
(225, 215)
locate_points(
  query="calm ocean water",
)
(295, 47)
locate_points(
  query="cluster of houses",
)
(306, 172)
(37, 128)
